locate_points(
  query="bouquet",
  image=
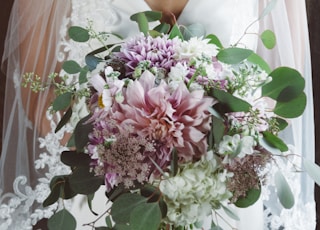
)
(178, 127)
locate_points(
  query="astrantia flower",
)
(159, 51)
(176, 119)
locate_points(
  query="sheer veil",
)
(33, 45)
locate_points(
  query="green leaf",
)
(217, 130)
(62, 220)
(275, 141)
(162, 28)
(282, 124)
(64, 120)
(268, 8)
(251, 197)
(71, 67)
(175, 32)
(109, 221)
(146, 216)
(62, 102)
(121, 227)
(230, 213)
(78, 34)
(92, 61)
(259, 61)
(286, 84)
(229, 103)
(193, 30)
(142, 21)
(75, 159)
(233, 55)
(293, 108)
(151, 16)
(56, 186)
(90, 199)
(283, 191)
(83, 75)
(268, 39)
(81, 133)
(124, 205)
(81, 178)
(213, 39)
(312, 169)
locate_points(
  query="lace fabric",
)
(21, 208)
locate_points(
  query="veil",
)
(33, 45)
(288, 20)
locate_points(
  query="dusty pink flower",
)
(176, 119)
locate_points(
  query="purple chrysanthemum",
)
(159, 51)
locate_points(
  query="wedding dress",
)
(30, 160)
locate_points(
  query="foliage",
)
(148, 204)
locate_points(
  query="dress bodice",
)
(227, 19)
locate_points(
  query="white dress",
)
(228, 19)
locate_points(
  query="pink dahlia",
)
(177, 119)
(158, 51)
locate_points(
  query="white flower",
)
(194, 191)
(195, 47)
(236, 145)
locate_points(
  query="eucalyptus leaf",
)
(92, 61)
(233, 55)
(162, 28)
(312, 169)
(284, 192)
(62, 102)
(251, 197)
(263, 142)
(81, 178)
(124, 205)
(62, 220)
(56, 186)
(268, 8)
(229, 103)
(108, 221)
(268, 39)
(193, 30)
(151, 16)
(81, 133)
(259, 61)
(75, 159)
(143, 23)
(230, 213)
(286, 84)
(78, 34)
(90, 198)
(282, 123)
(217, 130)
(71, 67)
(175, 32)
(213, 39)
(83, 76)
(64, 120)
(293, 108)
(275, 141)
(146, 216)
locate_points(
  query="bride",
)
(37, 42)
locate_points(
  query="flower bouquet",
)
(179, 128)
